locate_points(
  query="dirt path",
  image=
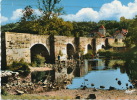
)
(39, 68)
(100, 94)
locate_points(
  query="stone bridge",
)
(25, 46)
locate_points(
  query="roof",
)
(124, 31)
(101, 27)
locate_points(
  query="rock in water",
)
(119, 83)
(92, 84)
(102, 87)
(92, 96)
(111, 88)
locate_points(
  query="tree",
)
(124, 23)
(28, 14)
(131, 39)
(49, 7)
(9, 27)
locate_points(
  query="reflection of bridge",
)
(23, 45)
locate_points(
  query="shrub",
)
(89, 55)
(20, 66)
(39, 61)
(4, 92)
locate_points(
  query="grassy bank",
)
(118, 54)
(33, 96)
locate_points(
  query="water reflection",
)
(95, 73)
(103, 74)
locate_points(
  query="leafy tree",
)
(28, 14)
(83, 28)
(131, 39)
(124, 23)
(9, 27)
(49, 7)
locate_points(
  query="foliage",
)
(83, 28)
(131, 38)
(131, 63)
(4, 92)
(89, 55)
(111, 53)
(49, 7)
(39, 61)
(40, 78)
(20, 66)
(27, 14)
(9, 27)
(60, 53)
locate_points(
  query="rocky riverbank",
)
(79, 94)
(93, 94)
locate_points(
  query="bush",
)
(20, 66)
(38, 61)
(89, 55)
(4, 92)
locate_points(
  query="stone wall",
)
(18, 45)
(84, 42)
(100, 42)
(61, 45)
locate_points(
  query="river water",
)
(94, 73)
(101, 76)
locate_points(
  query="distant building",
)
(98, 34)
(120, 34)
(102, 30)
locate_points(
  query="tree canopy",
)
(131, 39)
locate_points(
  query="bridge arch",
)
(70, 50)
(39, 49)
(89, 48)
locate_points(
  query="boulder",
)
(78, 97)
(84, 87)
(94, 89)
(111, 88)
(19, 92)
(92, 96)
(7, 85)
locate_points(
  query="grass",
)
(117, 44)
(114, 62)
(32, 96)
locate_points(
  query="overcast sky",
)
(76, 10)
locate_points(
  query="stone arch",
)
(41, 50)
(103, 47)
(89, 48)
(70, 50)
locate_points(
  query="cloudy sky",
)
(76, 10)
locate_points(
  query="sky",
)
(76, 10)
